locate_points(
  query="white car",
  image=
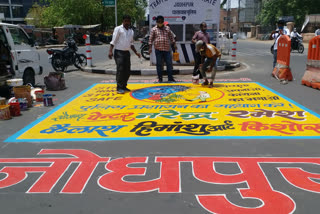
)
(24, 59)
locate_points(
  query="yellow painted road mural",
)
(174, 111)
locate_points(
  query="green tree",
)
(273, 9)
(34, 16)
(80, 12)
(134, 8)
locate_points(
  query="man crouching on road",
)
(122, 41)
(210, 55)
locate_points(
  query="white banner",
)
(185, 12)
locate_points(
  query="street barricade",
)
(282, 70)
(311, 77)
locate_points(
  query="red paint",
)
(169, 180)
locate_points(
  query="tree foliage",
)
(34, 16)
(273, 9)
(134, 8)
(84, 12)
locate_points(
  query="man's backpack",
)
(55, 81)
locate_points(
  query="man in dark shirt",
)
(202, 35)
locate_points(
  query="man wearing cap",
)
(161, 36)
(203, 35)
(276, 35)
(210, 55)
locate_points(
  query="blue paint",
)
(14, 138)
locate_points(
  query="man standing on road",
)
(209, 57)
(203, 35)
(122, 41)
(276, 35)
(161, 36)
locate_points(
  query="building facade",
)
(249, 9)
(229, 20)
(15, 11)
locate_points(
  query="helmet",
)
(71, 43)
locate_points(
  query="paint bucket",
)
(23, 104)
(15, 109)
(5, 112)
(2, 101)
(175, 56)
(39, 95)
(47, 100)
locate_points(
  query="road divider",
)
(282, 69)
(311, 77)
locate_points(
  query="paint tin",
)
(2, 101)
(47, 100)
(39, 95)
(15, 109)
(5, 112)
(23, 104)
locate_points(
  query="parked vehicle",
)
(61, 59)
(18, 53)
(144, 48)
(296, 44)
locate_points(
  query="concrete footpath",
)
(144, 68)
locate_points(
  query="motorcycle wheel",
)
(145, 52)
(80, 61)
(301, 48)
(57, 63)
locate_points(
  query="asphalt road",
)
(91, 193)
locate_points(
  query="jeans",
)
(206, 64)
(123, 63)
(166, 56)
(275, 53)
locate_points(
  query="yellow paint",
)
(238, 103)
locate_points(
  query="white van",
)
(24, 59)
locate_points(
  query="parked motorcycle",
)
(61, 59)
(144, 48)
(296, 44)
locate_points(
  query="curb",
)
(152, 72)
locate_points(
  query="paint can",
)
(15, 108)
(47, 100)
(2, 101)
(39, 95)
(23, 104)
(5, 112)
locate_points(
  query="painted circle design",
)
(177, 94)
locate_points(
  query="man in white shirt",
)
(295, 36)
(294, 33)
(122, 42)
(276, 35)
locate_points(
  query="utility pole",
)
(238, 15)
(228, 15)
(10, 10)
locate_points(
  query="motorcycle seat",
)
(55, 50)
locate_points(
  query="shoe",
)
(205, 83)
(120, 91)
(210, 85)
(172, 80)
(160, 80)
(126, 89)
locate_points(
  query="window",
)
(5, 10)
(191, 29)
(18, 36)
(177, 30)
(17, 12)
